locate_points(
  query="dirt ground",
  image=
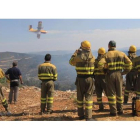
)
(64, 108)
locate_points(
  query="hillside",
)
(65, 108)
(60, 52)
(28, 64)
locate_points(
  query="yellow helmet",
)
(101, 51)
(132, 48)
(86, 45)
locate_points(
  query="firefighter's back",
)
(47, 73)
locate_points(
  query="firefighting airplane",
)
(39, 29)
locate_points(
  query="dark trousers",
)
(130, 84)
(137, 86)
(100, 86)
(13, 90)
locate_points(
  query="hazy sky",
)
(67, 34)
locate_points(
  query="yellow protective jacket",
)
(84, 63)
(115, 60)
(2, 75)
(97, 71)
(47, 71)
(131, 56)
(136, 63)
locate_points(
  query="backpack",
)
(2, 75)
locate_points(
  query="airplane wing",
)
(31, 29)
(43, 31)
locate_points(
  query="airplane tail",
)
(30, 27)
(38, 36)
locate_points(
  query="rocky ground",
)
(28, 108)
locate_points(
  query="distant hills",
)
(28, 64)
(70, 52)
(60, 52)
(57, 52)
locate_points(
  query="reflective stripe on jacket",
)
(136, 63)
(97, 71)
(115, 61)
(47, 71)
(131, 56)
(83, 62)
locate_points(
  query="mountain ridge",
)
(28, 64)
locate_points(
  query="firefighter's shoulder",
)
(47, 65)
(93, 59)
(120, 53)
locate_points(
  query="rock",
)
(65, 115)
(5, 88)
(65, 108)
(1, 114)
(73, 116)
(68, 91)
(23, 87)
(38, 89)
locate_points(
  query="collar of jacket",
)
(131, 52)
(112, 49)
(84, 50)
(99, 57)
(47, 62)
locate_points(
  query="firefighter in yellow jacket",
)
(47, 73)
(136, 65)
(2, 98)
(100, 84)
(131, 76)
(115, 64)
(83, 60)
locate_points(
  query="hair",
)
(14, 63)
(47, 57)
(112, 43)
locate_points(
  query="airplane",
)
(38, 30)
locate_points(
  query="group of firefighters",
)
(107, 70)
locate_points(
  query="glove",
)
(75, 53)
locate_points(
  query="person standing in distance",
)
(14, 75)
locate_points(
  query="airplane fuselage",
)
(39, 29)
